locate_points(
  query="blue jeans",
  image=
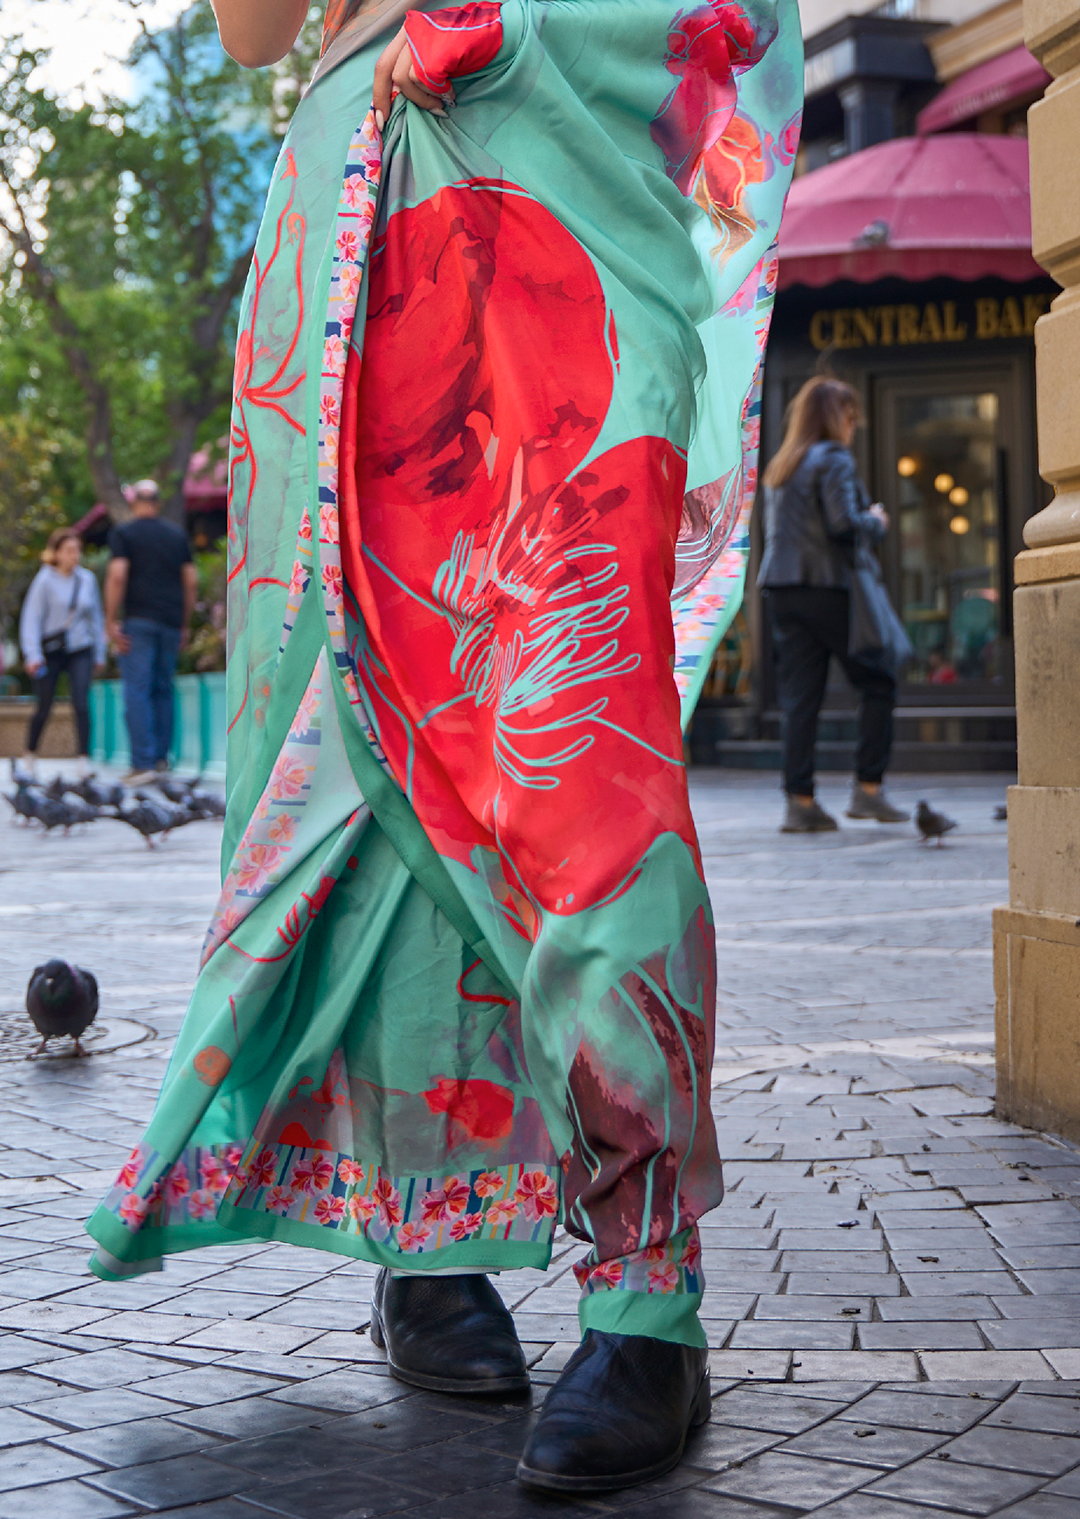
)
(147, 673)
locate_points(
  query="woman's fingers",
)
(384, 75)
(393, 72)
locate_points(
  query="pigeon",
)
(206, 804)
(62, 1000)
(47, 810)
(1001, 813)
(99, 793)
(79, 810)
(22, 801)
(151, 815)
(188, 794)
(931, 824)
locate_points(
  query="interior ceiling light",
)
(906, 466)
(959, 496)
(944, 483)
(959, 525)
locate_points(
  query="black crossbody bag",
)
(53, 644)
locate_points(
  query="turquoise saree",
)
(493, 454)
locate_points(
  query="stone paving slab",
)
(893, 1291)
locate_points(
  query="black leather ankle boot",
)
(447, 1333)
(619, 1414)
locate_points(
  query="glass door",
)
(943, 477)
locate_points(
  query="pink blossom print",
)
(502, 1212)
(254, 868)
(465, 1228)
(263, 1169)
(203, 1204)
(288, 778)
(388, 1201)
(129, 1171)
(413, 1236)
(360, 1208)
(133, 1209)
(664, 1278)
(282, 829)
(334, 355)
(215, 1176)
(537, 1194)
(331, 411)
(350, 1172)
(488, 1183)
(280, 1199)
(328, 525)
(607, 1274)
(313, 1175)
(177, 1183)
(441, 1205)
(329, 1210)
(348, 245)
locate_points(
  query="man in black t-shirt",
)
(152, 577)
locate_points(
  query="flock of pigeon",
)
(64, 803)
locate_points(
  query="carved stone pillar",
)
(1037, 937)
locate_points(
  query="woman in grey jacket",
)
(61, 629)
(817, 516)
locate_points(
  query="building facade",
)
(906, 269)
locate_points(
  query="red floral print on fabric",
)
(475, 1109)
(537, 585)
(705, 45)
(445, 44)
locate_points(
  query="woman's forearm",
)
(259, 32)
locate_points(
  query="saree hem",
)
(671, 1316)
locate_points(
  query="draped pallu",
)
(493, 452)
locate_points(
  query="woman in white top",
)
(62, 629)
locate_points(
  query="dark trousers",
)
(147, 673)
(810, 623)
(79, 667)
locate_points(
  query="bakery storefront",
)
(907, 271)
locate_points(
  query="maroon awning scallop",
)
(915, 208)
(999, 82)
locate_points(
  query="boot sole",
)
(556, 1482)
(443, 1384)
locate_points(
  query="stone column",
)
(1037, 938)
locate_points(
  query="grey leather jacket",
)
(816, 521)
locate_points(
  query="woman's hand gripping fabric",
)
(429, 49)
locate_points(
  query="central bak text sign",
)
(934, 322)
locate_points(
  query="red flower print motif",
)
(328, 524)
(288, 778)
(177, 1183)
(133, 1210)
(348, 246)
(305, 526)
(280, 1199)
(351, 1172)
(655, 1253)
(313, 1175)
(704, 46)
(232, 1157)
(254, 868)
(129, 1171)
(263, 1169)
(331, 578)
(663, 1278)
(354, 191)
(413, 1236)
(203, 1204)
(329, 1210)
(536, 1192)
(502, 1211)
(451, 1198)
(331, 411)
(348, 289)
(488, 1183)
(388, 1201)
(214, 1175)
(465, 1228)
(691, 1256)
(606, 1274)
(475, 1109)
(282, 828)
(361, 1208)
(334, 355)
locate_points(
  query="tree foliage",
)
(126, 231)
(29, 508)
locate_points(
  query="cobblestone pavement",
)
(894, 1276)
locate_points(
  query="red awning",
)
(998, 82)
(914, 208)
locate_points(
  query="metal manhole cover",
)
(19, 1038)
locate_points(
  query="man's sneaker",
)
(138, 778)
(802, 819)
(875, 805)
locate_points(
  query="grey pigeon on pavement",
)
(62, 1000)
(931, 824)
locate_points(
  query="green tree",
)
(29, 510)
(126, 231)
